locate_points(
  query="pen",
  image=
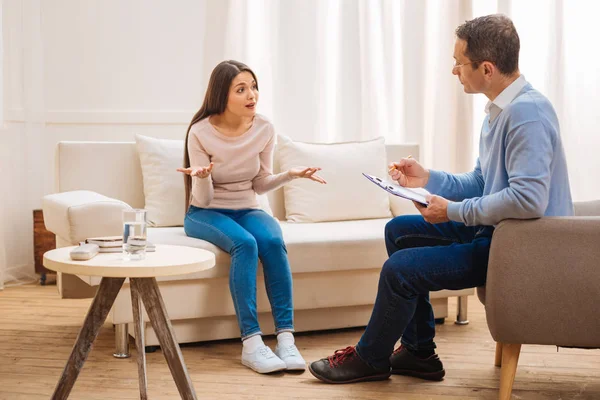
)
(394, 167)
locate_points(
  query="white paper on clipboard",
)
(417, 195)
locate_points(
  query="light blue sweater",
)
(521, 171)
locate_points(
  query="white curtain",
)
(560, 59)
(3, 266)
(2, 168)
(342, 70)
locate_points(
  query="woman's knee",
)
(246, 245)
(270, 243)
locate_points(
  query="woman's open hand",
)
(306, 172)
(200, 172)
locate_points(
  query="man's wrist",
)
(426, 177)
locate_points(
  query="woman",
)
(228, 159)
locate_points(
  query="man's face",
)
(472, 79)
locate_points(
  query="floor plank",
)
(38, 329)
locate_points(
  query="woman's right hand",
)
(409, 173)
(200, 172)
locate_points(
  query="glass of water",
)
(134, 234)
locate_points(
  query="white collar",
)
(505, 97)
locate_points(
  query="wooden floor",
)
(37, 331)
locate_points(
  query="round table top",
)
(167, 260)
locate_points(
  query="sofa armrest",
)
(77, 215)
(543, 281)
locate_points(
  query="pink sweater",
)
(243, 165)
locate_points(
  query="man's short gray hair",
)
(491, 38)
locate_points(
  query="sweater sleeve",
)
(265, 181)
(202, 188)
(528, 159)
(456, 187)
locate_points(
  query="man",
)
(521, 173)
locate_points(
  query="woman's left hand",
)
(309, 172)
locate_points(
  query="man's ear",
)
(488, 68)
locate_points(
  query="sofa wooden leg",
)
(510, 359)
(498, 358)
(461, 310)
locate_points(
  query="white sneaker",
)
(263, 360)
(291, 357)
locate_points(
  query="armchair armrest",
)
(543, 281)
(77, 215)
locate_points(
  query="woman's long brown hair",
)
(215, 102)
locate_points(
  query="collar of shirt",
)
(494, 108)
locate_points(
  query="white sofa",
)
(335, 265)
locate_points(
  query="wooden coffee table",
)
(167, 260)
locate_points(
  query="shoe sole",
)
(296, 368)
(277, 369)
(369, 378)
(429, 376)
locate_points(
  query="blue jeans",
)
(422, 257)
(248, 235)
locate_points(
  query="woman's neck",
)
(230, 124)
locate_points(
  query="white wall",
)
(89, 70)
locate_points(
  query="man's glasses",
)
(458, 65)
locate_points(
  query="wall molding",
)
(126, 117)
(14, 114)
(133, 117)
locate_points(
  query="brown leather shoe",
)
(406, 363)
(346, 366)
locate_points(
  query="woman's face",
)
(243, 95)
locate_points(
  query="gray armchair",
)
(543, 286)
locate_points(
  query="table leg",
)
(103, 301)
(138, 324)
(155, 307)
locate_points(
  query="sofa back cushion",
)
(394, 152)
(164, 188)
(589, 208)
(114, 170)
(348, 195)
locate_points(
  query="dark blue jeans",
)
(248, 235)
(423, 257)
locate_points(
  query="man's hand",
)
(436, 211)
(409, 173)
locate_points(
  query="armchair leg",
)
(461, 310)
(498, 357)
(510, 359)
(121, 342)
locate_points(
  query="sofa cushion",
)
(322, 247)
(327, 246)
(348, 195)
(164, 190)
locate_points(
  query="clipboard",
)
(397, 190)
